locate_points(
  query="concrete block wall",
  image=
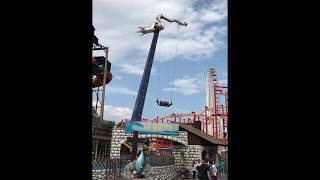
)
(119, 135)
(190, 153)
(164, 172)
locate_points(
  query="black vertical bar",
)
(134, 146)
(106, 167)
(114, 169)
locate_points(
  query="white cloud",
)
(116, 24)
(132, 68)
(215, 12)
(117, 90)
(120, 90)
(135, 67)
(187, 85)
(116, 113)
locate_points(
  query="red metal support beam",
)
(215, 111)
(202, 122)
(194, 116)
(206, 119)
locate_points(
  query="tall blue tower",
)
(155, 28)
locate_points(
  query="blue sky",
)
(201, 45)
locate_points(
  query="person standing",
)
(204, 171)
(198, 164)
(194, 169)
(222, 167)
(213, 170)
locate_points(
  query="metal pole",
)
(106, 50)
(134, 146)
(206, 119)
(215, 111)
(138, 107)
(226, 101)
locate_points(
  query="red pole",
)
(213, 119)
(206, 118)
(215, 111)
(223, 120)
(226, 101)
(202, 122)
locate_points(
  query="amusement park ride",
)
(210, 118)
(214, 119)
(155, 28)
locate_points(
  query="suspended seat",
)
(164, 103)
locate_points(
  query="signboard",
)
(151, 128)
(160, 144)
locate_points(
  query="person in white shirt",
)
(194, 169)
(213, 170)
(195, 164)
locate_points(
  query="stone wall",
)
(184, 156)
(189, 152)
(119, 136)
(156, 173)
(164, 172)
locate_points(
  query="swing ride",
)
(155, 28)
(164, 103)
(214, 117)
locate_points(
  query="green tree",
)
(108, 125)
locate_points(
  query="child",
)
(194, 169)
(222, 167)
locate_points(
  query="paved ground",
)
(219, 178)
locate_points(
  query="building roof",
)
(202, 135)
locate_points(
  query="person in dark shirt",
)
(213, 170)
(204, 171)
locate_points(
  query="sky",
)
(183, 54)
